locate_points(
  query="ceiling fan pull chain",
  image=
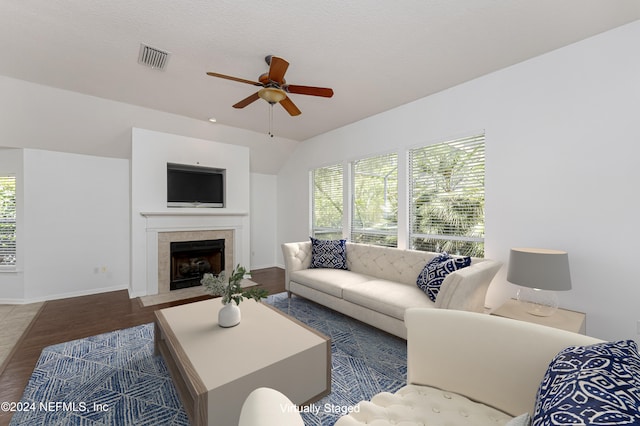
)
(271, 120)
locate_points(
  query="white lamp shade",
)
(541, 269)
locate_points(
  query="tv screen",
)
(194, 186)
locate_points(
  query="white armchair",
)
(466, 368)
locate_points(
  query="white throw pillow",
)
(521, 420)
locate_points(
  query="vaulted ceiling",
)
(375, 54)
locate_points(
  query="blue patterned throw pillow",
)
(591, 385)
(328, 254)
(436, 270)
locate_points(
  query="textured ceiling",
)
(375, 54)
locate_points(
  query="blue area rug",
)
(108, 379)
(114, 379)
(365, 360)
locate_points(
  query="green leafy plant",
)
(229, 287)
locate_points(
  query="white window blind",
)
(374, 213)
(7, 221)
(327, 202)
(447, 197)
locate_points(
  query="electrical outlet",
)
(638, 327)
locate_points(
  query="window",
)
(447, 197)
(327, 208)
(375, 200)
(445, 208)
(7, 221)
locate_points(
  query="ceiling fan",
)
(275, 88)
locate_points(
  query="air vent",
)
(154, 58)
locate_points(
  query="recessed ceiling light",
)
(213, 120)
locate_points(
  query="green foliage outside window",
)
(448, 197)
(327, 202)
(375, 201)
(7, 220)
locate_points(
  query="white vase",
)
(229, 315)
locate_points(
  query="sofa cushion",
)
(387, 263)
(330, 281)
(387, 297)
(436, 270)
(328, 254)
(595, 385)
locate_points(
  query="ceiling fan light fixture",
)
(272, 95)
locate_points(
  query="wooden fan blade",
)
(309, 90)
(277, 69)
(291, 108)
(246, 101)
(228, 77)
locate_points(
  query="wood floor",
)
(75, 318)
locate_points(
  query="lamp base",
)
(541, 303)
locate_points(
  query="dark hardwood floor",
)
(75, 318)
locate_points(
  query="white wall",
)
(264, 216)
(42, 117)
(560, 166)
(47, 119)
(74, 213)
(73, 231)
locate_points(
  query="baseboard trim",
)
(68, 295)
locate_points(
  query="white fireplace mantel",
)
(195, 212)
(193, 219)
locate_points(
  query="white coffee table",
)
(214, 369)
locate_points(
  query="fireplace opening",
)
(190, 260)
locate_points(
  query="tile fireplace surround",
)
(162, 228)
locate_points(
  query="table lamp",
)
(541, 273)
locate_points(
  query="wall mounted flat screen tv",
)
(195, 186)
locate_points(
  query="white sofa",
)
(380, 283)
(463, 368)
